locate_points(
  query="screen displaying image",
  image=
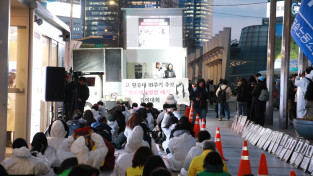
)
(154, 32)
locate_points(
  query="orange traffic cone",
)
(187, 111)
(292, 173)
(218, 143)
(196, 127)
(263, 166)
(244, 167)
(191, 113)
(202, 127)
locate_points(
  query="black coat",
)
(243, 93)
(201, 93)
(257, 91)
(170, 74)
(83, 92)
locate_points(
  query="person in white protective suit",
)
(23, 163)
(179, 147)
(168, 124)
(134, 141)
(83, 149)
(304, 107)
(195, 151)
(58, 132)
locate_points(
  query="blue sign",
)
(302, 28)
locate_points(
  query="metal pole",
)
(285, 60)
(270, 63)
(4, 65)
(302, 62)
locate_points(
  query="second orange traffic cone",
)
(263, 171)
(202, 127)
(292, 173)
(191, 113)
(218, 143)
(244, 167)
(196, 127)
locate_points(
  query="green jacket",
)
(213, 171)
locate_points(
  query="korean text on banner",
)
(156, 90)
(302, 28)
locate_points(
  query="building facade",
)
(198, 21)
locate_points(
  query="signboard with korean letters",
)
(156, 90)
(302, 28)
(290, 149)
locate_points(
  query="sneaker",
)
(227, 119)
(219, 119)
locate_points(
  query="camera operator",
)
(82, 93)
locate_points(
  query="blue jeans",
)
(225, 106)
(201, 112)
(242, 108)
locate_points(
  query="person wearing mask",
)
(89, 148)
(169, 72)
(200, 97)
(243, 96)
(179, 147)
(161, 115)
(101, 108)
(195, 151)
(223, 94)
(213, 165)
(292, 105)
(134, 141)
(58, 131)
(304, 107)
(82, 93)
(139, 160)
(196, 164)
(23, 163)
(259, 106)
(153, 162)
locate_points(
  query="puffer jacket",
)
(77, 148)
(57, 136)
(201, 93)
(179, 147)
(134, 141)
(23, 163)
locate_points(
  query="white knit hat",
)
(170, 99)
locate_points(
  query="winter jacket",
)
(193, 152)
(201, 93)
(57, 136)
(134, 141)
(228, 91)
(196, 165)
(77, 148)
(257, 91)
(150, 121)
(75, 124)
(83, 92)
(213, 171)
(109, 160)
(302, 103)
(103, 129)
(23, 163)
(179, 148)
(102, 110)
(243, 93)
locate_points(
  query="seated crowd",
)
(149, 143)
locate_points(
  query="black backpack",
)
(309, 91)
(221, 98)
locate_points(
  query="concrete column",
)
(302, 62)
(215, 73)
(285, 60)
(4, 65)
(270, 63)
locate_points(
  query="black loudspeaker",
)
(54, 86)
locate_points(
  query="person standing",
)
(170, 73)
(252, 84)
(83, 93)
(200, 98)
(223, 94)
(292, 105)
(259, 106)
(304, 107)
(243, 96)
(158, 71)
